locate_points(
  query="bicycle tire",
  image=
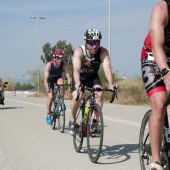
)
(78, 136)
(61, 115)
(145, 152)
(53, 118)
(144, 142)
(95, 131)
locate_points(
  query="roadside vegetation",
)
(131, 91)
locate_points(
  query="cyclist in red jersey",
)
(86, 62)
(155, 63)
(53, 74)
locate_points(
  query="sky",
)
(68, 20)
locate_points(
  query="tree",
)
(60, 45)
(37, 77)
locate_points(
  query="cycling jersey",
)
(55, 72)
(54, 75)
(150, 71)
(89, 66)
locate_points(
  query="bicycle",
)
(145, 153)
(89, 123)
(59, 109)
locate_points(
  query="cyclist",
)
(86, 62)
(155, 63)
(53, 74)
(2, 86)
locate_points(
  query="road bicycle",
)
(59, 108)
(145, 153)
(89, 123)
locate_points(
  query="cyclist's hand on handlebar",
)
(77, 86)
(47, 90)
(78, 89)
(114, 87)
(69, 90)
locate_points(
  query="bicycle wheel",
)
(145, 154)
(95, 132)
(61, 115)
(53, 118)
(78, 137)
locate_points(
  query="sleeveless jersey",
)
(55, 72)
(89, 66)
(147, 42)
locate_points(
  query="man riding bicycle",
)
(53, 74)
(86, 62)
(155, 63)
(2, 86)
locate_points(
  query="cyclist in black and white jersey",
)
(86, 62)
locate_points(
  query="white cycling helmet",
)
(92, 34)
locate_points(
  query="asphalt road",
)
(28, 143)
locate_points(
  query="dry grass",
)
(130, 92)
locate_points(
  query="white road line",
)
(105, 117)
(26, 103)
(122, 121)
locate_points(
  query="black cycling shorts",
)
(150, 74)
(89, 82)
(52, 81)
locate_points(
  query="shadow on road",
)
(118, 153)
(5, 108)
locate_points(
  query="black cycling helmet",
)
(92, 34)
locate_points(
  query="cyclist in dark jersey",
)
(155, 63)
(53, 74)
(2, 87)
(86, 62)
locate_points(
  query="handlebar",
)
(92, 90)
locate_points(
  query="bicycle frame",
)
(56, 98)
(59, 109)
(92, 127)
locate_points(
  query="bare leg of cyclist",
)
(156, 124)
(61, 81)
(48, 105)
(74, 105)
(99, 96)
(49, 102)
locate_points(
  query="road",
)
(28, 143)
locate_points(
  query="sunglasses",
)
(59, 58)
(92, 43)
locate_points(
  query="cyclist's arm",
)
(77, 66)
(107, 66)
(66, 70)
(158, 21)
(46, 74)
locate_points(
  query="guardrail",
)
(19, 93)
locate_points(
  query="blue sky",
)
(68, 20)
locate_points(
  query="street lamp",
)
(110, 32)
(37, 18)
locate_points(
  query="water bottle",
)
(86, 111)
